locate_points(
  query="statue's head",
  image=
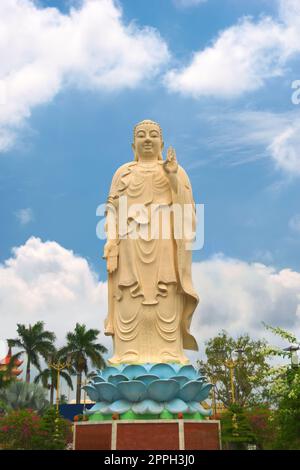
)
(147, 141)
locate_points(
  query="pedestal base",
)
(147, 435)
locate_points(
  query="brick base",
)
(147, 435)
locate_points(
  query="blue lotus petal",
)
(97, 407)
(107, 392)
(176, 406)
(148, 378)
(204, 392)
(190, 390)
(188, 371)
(105, 373)
(163, 390)
(98, 379)
(92, 392)
(164, 371)
(147, 406)
(134, 390)
(133, 371)
(106, 410)
(115, 379)
(195, 406)
(201, 378)
(120, 406)
(180, 379)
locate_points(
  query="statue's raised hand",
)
(170, 164)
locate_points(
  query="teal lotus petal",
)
(97, 407)
(105, 373)
(147, 406)
(115, 379)
(133, 371)
(164, 371)
(133, 390)
(176, 406)
(107, 392)
(92, 392)
(195, 406)
(120, 406)
(98, 379)
(190, 390)
(204, 392)
(180, 379)
(148, 378)
(163, 390)
(188, 371)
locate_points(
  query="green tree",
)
(284, 394)
(236, 429)
(82, 346)
(250, 371)
(48, 376)
(35, 342)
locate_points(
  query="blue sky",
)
(235, 128)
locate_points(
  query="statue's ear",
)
(162, 145)
(133, 147)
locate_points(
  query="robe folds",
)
(151, 295)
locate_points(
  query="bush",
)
(25, 429)
(22, 395)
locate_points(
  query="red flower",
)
(180, 415)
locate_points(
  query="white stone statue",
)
(151, 296)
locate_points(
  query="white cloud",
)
(247, 136)
(188, 3)
(25, 216)
(242, 57)
(285, 149)
(294, 223)
(44, 281)
(237, 296)
(43, 50)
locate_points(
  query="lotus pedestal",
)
(175, 434)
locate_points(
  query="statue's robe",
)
(151, 295)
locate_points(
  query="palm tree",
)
(35, 342)
(50, 375)
(82, 346)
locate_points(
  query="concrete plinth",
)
(160, 434)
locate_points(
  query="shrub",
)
(25, 429)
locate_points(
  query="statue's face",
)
(147, 143)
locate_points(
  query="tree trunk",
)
(51, 393)
(28, 371)
(78, 389)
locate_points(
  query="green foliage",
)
(20, 395)
(250, 371)
(82, 346)
(236, 429)
(261, 421)
(35, 342)
(18, 429)
(57, 430)
(24, 429)
(48, 376)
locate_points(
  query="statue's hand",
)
(111, 255)
(170, 164)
